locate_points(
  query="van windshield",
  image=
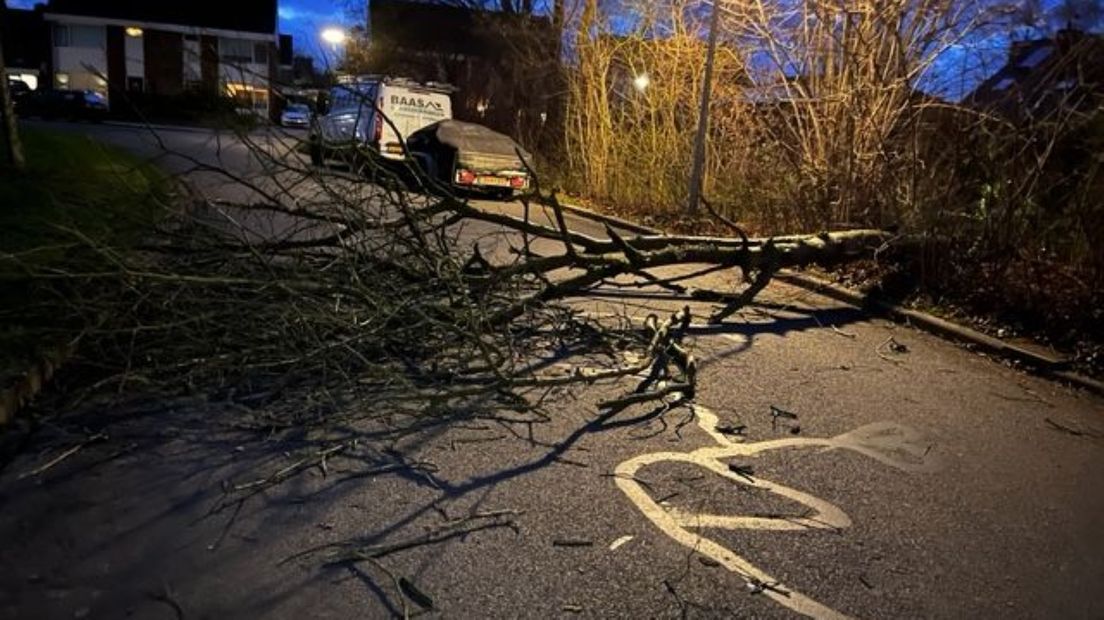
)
(349, 96)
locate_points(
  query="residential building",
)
(1064, 72)
(165, 48)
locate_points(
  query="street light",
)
(642, 82)
(334, 36)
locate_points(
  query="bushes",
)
(817, 123)
(76, 198)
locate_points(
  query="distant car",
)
(87, 105)
(296, 115)
(471, 157)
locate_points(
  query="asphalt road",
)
(926, 483)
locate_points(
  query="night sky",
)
(304, 19)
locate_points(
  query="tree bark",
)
(12, 146)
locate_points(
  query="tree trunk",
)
(552, 135)
(12, 147)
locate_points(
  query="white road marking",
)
(889, 443)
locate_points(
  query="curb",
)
(928, 322)
(610, 220)
(1048, 366)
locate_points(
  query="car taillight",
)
(517, 182)
(465, 177)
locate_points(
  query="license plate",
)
(493, 181)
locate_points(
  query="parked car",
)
(18, 89)
(296, 115)
(86, 105)
(471, 157)
(373, 116)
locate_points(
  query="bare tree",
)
(12, 146)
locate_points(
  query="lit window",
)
(88, 36)
(235, 50)
(248, 97)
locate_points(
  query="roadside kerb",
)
(1046, 365)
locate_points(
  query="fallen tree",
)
(332, 317)
(329, 290)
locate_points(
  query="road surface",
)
(926, 482)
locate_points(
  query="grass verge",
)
(76, 197)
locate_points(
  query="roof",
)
(1042, 73)
(241, 15)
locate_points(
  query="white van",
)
(376, 114)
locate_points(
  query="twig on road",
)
(894, 347)
(778, 413)
(62, 456)
(318, 459)
(1069, 430)
(352, 552)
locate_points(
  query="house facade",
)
(166, 48)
